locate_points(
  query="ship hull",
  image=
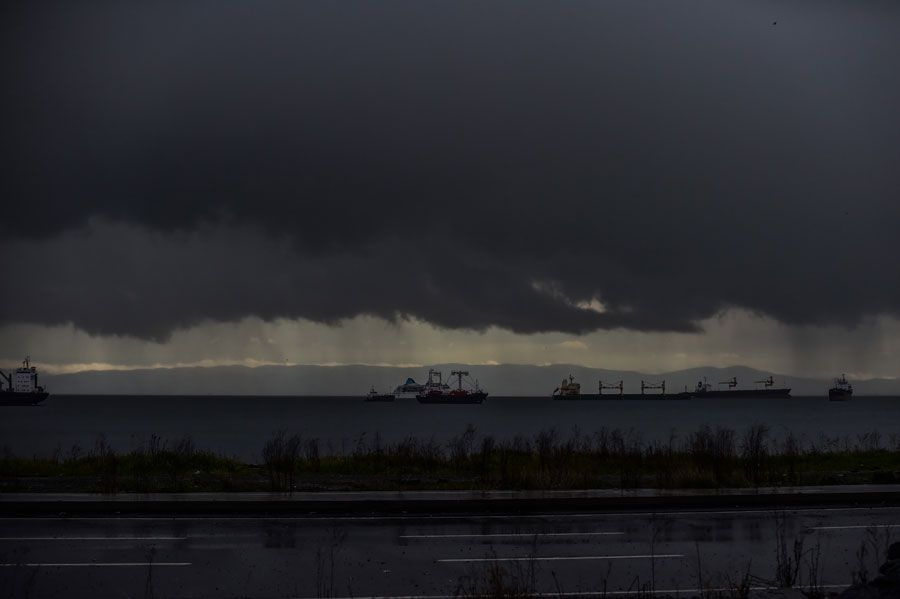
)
(623, 397)
(379, 398)
(11, 398)
(742, 394)
(839, 395)
(469, 398)
(401, 393)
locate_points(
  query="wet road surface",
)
(403, 556)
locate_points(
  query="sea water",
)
(239, 426)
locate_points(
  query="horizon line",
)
(55, 370)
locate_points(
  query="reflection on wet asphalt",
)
(359, 556)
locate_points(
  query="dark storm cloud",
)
(117, 278)
(465, 163)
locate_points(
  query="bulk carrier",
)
(706, 390)
(22, 387)
(570, 390)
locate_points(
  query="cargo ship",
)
(706, 390)
(842, 389)
(22, 387)
(570, 390)
(437, 391)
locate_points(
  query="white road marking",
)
(855, 526)
(92, 538)
(586, 593)
(513, 534)
(560, 515)
(462, 560)
(95, 564)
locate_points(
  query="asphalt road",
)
(402, 556)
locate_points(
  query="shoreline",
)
(707, 458)
(434, 502)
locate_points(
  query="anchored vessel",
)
(437, 391)
(705, 389)
(569, 389)
(374, 395)
(21, 387)
(408, 390)
(842, 389)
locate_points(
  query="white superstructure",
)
(408, 390)
(25, 378)
(20, 387)
(22, 380)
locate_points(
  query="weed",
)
(500, 581)
(788, 557)
(706, 458)
(755, 451)
(280, 455)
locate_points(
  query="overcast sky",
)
(616, 183)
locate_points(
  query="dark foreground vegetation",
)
(797, 574)
(707, 459)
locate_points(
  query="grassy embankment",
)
(708, 458)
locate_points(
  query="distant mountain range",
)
(499, 380)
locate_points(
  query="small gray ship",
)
(374, 395)
(21, 386)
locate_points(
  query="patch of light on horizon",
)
(50, 368)
(574, 344)
(869, 351)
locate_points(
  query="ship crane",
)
(459, 374)
(768, 382)
(620, 387)
(731, 384)
(661, 386)
(431, 374)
